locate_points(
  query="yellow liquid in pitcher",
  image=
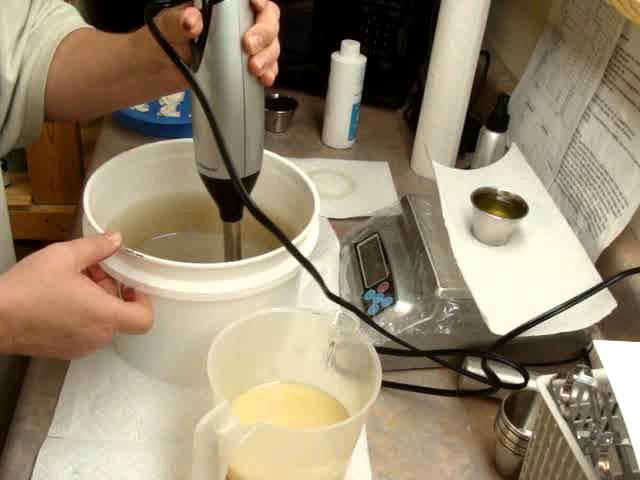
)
(289, 405)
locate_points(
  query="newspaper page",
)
(575, 115)
(563, 74)
(597, 185)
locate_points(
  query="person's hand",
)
(261, 41)
(183, 24)
(58, 303)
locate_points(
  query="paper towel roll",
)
(454, 59)
(7, 252)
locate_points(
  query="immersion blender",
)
(236, 97)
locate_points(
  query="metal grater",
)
(560, 448)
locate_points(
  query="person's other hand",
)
(58, 303)
(183, 24)
(261, 41)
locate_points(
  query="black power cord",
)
(440, 357)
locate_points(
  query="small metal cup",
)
(279, 112)
(514, 427)
(496, 215)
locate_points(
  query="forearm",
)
(6, 338)
(95, 73)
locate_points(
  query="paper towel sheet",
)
(114, 422)
(63, 459)
(620, 360)
(350, 189)
(543, 265)
(105, 398)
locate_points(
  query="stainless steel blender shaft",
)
(232, 241)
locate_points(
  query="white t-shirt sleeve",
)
(30, 32)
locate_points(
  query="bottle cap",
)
(350, 48)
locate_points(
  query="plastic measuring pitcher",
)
(321, 350)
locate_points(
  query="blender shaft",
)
(232, 241)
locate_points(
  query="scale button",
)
(370, 295)
(384, 287)
(373, 310)
(387, 302)
(379, 298)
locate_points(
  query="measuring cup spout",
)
(218, 434)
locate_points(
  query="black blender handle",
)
(197, 46)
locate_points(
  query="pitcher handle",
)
(218, 434)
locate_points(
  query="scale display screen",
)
(373, 264)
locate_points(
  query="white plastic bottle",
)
(346, 82)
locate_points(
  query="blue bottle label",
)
(355, 122)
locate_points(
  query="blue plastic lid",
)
(163, 118)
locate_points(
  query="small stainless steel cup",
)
(513, 428)
(496, 215)
(279, 112)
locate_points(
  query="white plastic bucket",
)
(194, 301)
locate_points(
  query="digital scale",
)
(400, 269)
(377, 281)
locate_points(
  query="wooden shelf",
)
(50, 223)
(43, 201)
(19, 192)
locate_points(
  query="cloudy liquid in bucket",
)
(186, 227)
